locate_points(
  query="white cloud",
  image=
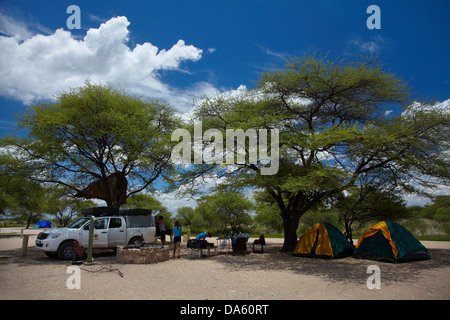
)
(415, 200)
(374, 45)
(279, 55)
(16, 29)
(443, 107)
(95, 18)
(20, 28)
(440, 189)
(173, 203)
(40, 66)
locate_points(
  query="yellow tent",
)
(389, 241)
(323, 240)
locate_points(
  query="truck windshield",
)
(77, 224)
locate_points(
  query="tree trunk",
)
(30, 216)
(348, 230)
(290, 224)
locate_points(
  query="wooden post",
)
(21, 233)
(91, 239)
(188, 234)
(24, 245)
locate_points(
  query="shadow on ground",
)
(36, 257)
(335, 270)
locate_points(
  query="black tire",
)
(50, 254)
(65, 251)
(137, 241)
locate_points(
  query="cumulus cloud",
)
(442, 107)
(40, 66)
(173, 203)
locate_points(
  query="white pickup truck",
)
(109, 232)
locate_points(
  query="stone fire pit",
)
(142, 254)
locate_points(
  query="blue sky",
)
(238, 40)
(182, 51)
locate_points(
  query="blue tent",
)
(43, 224)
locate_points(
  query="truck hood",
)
(61, 231)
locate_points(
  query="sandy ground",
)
(268, 276)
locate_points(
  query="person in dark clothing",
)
(162, 229)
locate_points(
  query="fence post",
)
(24, 245)
(91, 239)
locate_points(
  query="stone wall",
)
(142, 255)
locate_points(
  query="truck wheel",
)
(138, 241)
(65, 251)
(50, 254)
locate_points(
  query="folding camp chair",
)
(262, 242)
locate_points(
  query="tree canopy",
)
(97, 141)
(231, 210)
(366, 203)
(323, 126)
(333, 128)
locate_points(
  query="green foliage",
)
(65, 208)
(267, 213)
(433, 218)
(333, 130)
(438, 210)
(20, 198)
(369, 201)
(322, 214)
(442, 215)
(333, 125)
(186, 216)
(205, 219)
(223, 212)
(143, 201)
(92, 132)
(146, 201)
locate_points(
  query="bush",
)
(442, 215)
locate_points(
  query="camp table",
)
(200, 251)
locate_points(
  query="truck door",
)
(100, 234)
(117, 232)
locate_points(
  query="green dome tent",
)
(391, 242)
(323, 240)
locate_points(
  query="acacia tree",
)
(333, 127)
(231, 209)
(186, 215)
(58, 202)
(96, 134)
(369, 200)
(26, 201)
(267, 212)
(20, 197)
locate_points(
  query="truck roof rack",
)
(113, 211)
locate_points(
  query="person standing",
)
(177, 239)
(162, 230)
